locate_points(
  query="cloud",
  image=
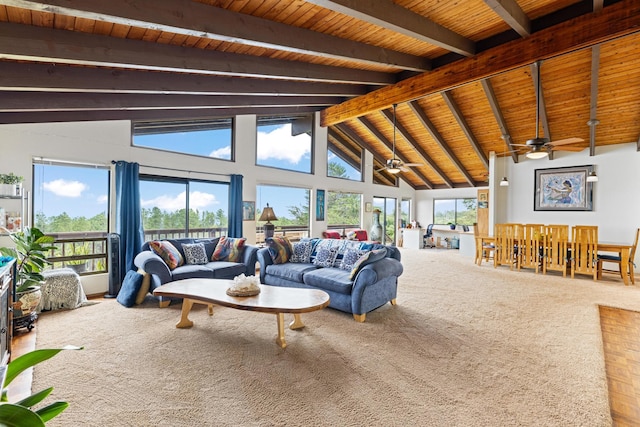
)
(280, 145)
(102, 199)
(197, 200)
(64, 188)
(221, 153)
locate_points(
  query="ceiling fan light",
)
(504, 182)
(393, 170)
(535, 155)
(592, 177)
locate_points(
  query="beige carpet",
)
(465, 346)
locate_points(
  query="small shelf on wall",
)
(23, 210)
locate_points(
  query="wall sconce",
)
(592, 177)
(268, 215)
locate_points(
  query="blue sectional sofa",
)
(357, 290)
(161, 272)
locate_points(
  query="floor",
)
(620, 337)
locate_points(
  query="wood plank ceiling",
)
(462, 74)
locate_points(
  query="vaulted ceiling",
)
(463, 75)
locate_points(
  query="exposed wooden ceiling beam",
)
(448, 98)
(593, 108)
(349, 133)
(26, 42)
(61, 78)
(380, 137)
(511, 12)
(387, 14)
(437, 137)
(417, 148)
(617, 20)
(46, 101)
(497, 113)
(201, 20)
(144, 115)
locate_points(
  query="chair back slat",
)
(584, 250)
(529, 246)
(556, 240)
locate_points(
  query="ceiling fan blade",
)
(566, 141)
(412, 164)
(568, 148)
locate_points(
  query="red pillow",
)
(331, 235)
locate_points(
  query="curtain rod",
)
(179, 170)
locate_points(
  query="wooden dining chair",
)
(505, 245)
(554, 248)
(529, 244)
(484, 246)
(584, 250)
(602, 258)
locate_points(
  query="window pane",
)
(466, 211)
(70, 198)
(291, 207)
(208, 209)
(444, 211)
(210, 140)
(405, 210)
(387, 206)
(283, 144)
(343, 209)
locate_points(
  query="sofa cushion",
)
(280, 249)
(290, 271)
(130, 288)
(326, 257)
(168, 252)
(209, 245)
(194, 253)
(324, 244)
(331, 234)
(229, 249)
(189, 271)
(343, 247)
(226, 269)
(367, 258)
(301, 252)
(350, 257)
(331, 279)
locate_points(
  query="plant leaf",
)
(27, 360)
(13, 415)
(35, 398)
(52, 411)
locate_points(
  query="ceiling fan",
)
(395, 165)
(540, 147)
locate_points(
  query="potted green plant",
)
(30, 252)
(10, 184)
(20, 413)
(452, 225)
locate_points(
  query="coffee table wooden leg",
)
(210, 309)
(184, 317)
(280, 340)
(297, 322)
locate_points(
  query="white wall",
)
(102, 142)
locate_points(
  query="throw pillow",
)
(194, 253)
(326, 257)
(351, 256)
(130, 288)
(280, 249)
(301, 252)
(229, 249)
(367, 258)
(169, 253)
(144, 287)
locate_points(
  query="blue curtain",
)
(128, 214)
(235, 206)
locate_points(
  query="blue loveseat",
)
(374, 284)
(160, 272)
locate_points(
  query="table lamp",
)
(268, 215)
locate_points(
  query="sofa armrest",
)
(249, 259)
(151, 263)
(264, 259)
(377, 271)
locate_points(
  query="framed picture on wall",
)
(248, 211)
(563, 189)
(319, 205)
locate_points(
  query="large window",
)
(291, 207)
(387, 217)
(454, 211)
(70, 198)
(174, 207)
(337, 167)
(343, 209)
(285, 142)
(213, 138)
(405, 212)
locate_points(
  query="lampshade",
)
(504, 182)
(592, 177)
(535, 155)
(393, 170)
(267, 214)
